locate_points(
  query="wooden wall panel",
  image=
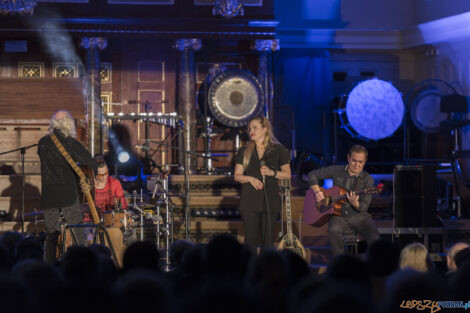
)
(147, 79)
(24, 98)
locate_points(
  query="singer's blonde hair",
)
(269, 139)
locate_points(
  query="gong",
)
(234, 97)
(375, 109)
(426, 111)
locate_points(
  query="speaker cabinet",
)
(415, 199)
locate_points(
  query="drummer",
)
(109, 194)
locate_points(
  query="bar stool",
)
(351, 241)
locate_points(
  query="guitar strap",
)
(62, 150)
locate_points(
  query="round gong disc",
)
(426, 111)
(235, 96)
(375, 109)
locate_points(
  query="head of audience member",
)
(6, 260)
(382, 258)
(462, 257)
(296, 266)
(177, 252)
(305, 290)
(9, 240)
(349, 269)
(269, 271)
(416, 256)
(193, 271)
(110, 271)
(29, 248)
(226, 257)
(81, 266)
(458, 281)
(46, 283)
(338, 297)
(15, 297)
(141, 291)
(220, 296)
(63, 121)
(408, 284)
(194, 262)
(141, 255)
(450, 258)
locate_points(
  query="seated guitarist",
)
(109, 194)
(354, 213)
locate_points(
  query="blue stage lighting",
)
(123, 156)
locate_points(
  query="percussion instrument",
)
(234, 97)
(374, 110)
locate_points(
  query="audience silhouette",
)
(220, 276)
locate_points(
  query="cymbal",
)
(33, 214)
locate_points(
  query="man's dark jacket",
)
(58, 180)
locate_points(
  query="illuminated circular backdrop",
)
(375, 109)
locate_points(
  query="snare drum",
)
(121, 219)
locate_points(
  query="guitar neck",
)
(288, 214)
(345, 196)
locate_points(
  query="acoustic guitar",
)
(290, 241)
(112, 236)
(318, 213)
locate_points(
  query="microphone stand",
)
(23, 183)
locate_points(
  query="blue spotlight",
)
(123, 156)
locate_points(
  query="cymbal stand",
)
(157, 205)
(208, 133)
(168, 226)
(136, 207)
(169, 219)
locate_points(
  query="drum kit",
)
(150, 220)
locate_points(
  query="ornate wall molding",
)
(94, 42)
(14, 7)
(269, 45)
(228, 8)
(193, 44)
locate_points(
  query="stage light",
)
(123, 156)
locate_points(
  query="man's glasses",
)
(101, 175)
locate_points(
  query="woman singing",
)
(258, 166)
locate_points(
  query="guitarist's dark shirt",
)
(341, 178)
(59, 186)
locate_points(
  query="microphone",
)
(262, 163)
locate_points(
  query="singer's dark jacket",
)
(58, 183)
(251, 199)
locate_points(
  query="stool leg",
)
(64, 240)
